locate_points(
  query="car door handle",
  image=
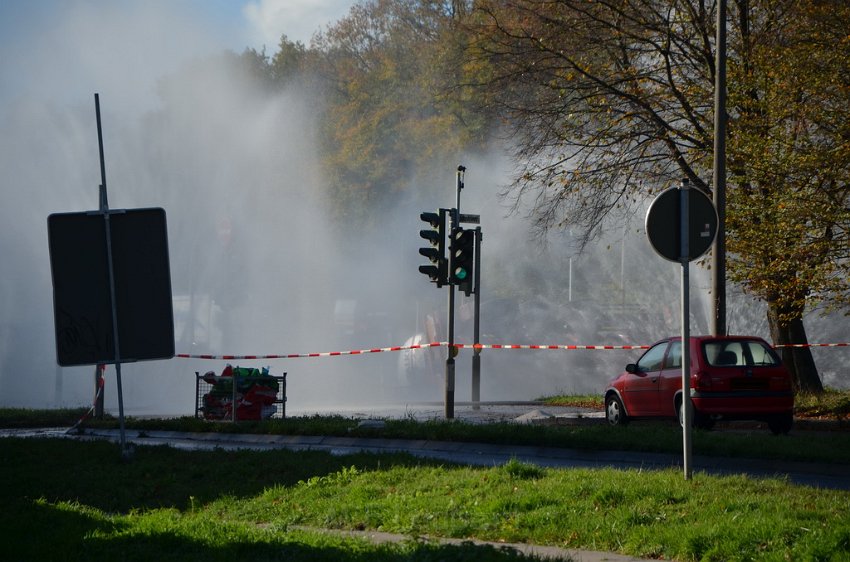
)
(655, 379)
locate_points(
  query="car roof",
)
(714, 338)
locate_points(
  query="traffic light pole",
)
(462, 268)
(476, 352)
(450, 360)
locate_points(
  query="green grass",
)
(72, 500)
(574, 400)
(832, 404)
(26, 417)
(67, 500)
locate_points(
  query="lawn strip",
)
(73, 498)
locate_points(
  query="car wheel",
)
(614, 411)
(680, 413)
(781, 424)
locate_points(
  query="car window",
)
(731, 353)
(674, 356)
(724, 353)
(652, 359)
(761, 355)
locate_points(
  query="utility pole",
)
(718, 254)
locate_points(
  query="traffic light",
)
(462, 259)
(436, 252)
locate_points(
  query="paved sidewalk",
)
(542, 552)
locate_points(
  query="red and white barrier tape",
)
(402, 348)
(567, 347)
(97, 395)
(323, 354)
(457, 345)
(811, 345)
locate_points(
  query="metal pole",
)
(104, 208)
(718, 255)
(460, 172)
(476, 336)
(233, 396)
(686, 328)
(623, 267)
(449, 399)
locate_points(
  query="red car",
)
(732, 377)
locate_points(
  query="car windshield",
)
(739, 353)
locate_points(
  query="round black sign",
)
(663, 221)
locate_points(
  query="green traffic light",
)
(460, 273)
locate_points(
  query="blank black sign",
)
(663, 224)
(82, 302)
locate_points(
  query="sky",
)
(251, 23)
(103, 34)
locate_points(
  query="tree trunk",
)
(799, 360)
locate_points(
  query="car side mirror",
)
(632, 368)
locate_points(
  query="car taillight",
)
(701, 380)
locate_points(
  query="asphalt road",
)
(816, 475)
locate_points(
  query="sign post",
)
(681, 224)
(685, 409)
(111, 288)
